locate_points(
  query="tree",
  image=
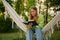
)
(54, 3)
(46, 13)
(1, 7)
(19, 6)
(5, 25)
(30, 3)
(50, 3)
(10, 2)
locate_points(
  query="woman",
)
(33, 29)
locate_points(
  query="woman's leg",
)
(38, 33)
(29, 34)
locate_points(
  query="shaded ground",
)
(55, 35)
(9, 36)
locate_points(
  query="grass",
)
(56, 35)
(9, 36)
(17, 36)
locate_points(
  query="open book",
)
(34, 23)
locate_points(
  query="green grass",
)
(9, 36)
(17, 36)
(56, 35)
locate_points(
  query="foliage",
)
(1, 7)
(5, 25)
(30, 3)
(19, 7)
(52, 3)
(55, 2)
(10, 2)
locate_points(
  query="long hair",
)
(34, 8)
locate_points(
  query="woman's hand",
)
(30, 25)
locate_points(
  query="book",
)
(34, 23)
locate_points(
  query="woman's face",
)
(33, 12)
